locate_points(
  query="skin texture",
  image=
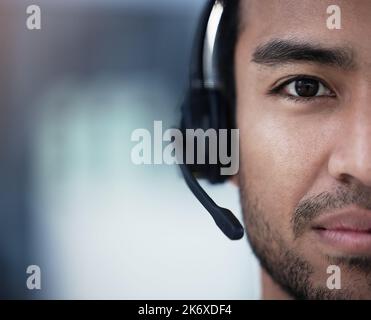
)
(294, 150)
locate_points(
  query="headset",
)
(206, 107)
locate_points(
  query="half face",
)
(304, 114)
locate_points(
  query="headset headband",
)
(204, 72)
(210, 68)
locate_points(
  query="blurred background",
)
(71, 200)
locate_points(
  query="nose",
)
(351, 157)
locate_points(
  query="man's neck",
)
(271, 290)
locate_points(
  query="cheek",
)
(281, 160)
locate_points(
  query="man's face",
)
(304, 114)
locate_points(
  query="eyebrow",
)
(278, 52)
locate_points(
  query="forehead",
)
(263, 20)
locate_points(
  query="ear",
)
(234, 180)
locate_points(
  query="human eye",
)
(303, 88)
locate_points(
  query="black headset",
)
(206, 107)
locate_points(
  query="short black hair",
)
(227, 40)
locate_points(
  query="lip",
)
(346, 231)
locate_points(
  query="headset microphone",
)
(205, 108)
(223, 217)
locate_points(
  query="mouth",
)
(347, 232)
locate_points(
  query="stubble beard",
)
(287, 268)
